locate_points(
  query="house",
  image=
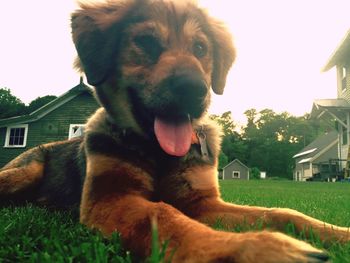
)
(318, 160)
(60, 119)
(235, 170)
(338, 109)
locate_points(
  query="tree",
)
(272, 139)
(10, 105)
(39, 102)
(232, 146)
(223, 160)
(225, 121)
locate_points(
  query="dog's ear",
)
(96, 34)
(224, 54)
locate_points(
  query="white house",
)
(338, 109)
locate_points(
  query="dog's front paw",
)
(276, 247)
(263, 247)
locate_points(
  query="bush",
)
(254, 173)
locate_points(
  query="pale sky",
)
(281, 47)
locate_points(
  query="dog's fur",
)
(155, 60)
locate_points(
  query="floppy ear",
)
(224, 55)
(96, 34)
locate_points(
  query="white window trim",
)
(70, 133)
(239, 174)
(7, 138)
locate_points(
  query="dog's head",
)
(152, 63)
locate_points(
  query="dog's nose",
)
(190, 87)
(181, 95)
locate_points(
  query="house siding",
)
(236, 166)
(52, 127)
(55, 125)
(304, 171)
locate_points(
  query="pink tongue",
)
(174, 138)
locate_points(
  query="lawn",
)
(31, 234)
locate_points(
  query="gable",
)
(236, 163)
(55, 125)
(341, 55)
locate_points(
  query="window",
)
(343, 82)
(344, 136)
(75, 130)
(236, 174)
(16, 136)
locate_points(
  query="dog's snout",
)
(189, 86)
(180, 95)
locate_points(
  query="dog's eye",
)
(199, 49)
(150, 45)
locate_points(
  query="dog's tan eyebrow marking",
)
(192, 29)
(151, 27)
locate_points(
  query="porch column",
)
(348, 127)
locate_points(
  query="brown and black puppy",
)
(150, 152)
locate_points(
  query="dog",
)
(150, 153)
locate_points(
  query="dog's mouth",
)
(174, 136)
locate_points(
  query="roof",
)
(47, 108)
(317, 147)
(306, 160)
(236, 161)
(333, 105)
(306, 152)
(341, 55)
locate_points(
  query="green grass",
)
(31, 234)
(329, 202)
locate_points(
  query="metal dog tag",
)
(203, 143)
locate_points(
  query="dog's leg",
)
(116, 197)
(273, 218)
(21, 174)
(199, 198)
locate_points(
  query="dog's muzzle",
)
(186, 95)
(185, 99)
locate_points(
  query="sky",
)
(281, 45)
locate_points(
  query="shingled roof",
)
(47, 108)
(321, 143)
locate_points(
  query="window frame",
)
(239, 174)
(70, 132)
(8, 133)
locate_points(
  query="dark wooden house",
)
(60, 119)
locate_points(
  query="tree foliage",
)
(39, 102)
(269, 140)
(10, 105)
(232, 144)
